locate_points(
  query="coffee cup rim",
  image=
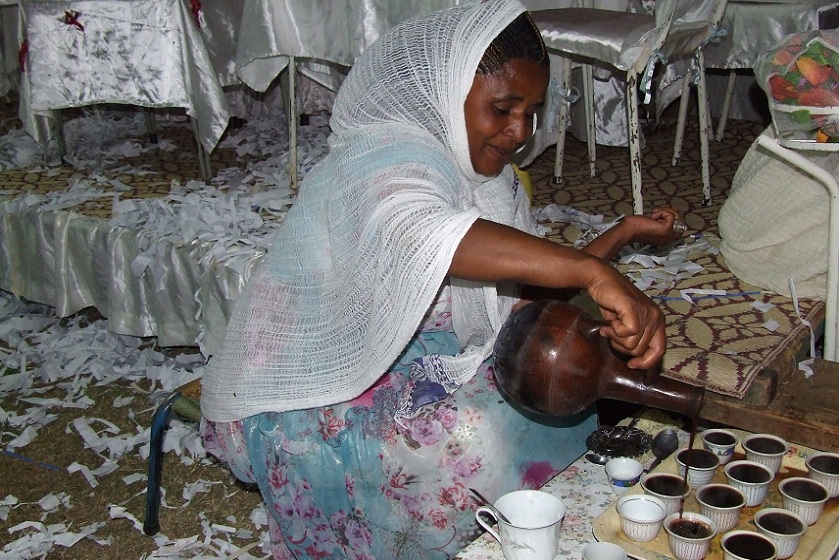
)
(807, 462)
(733, 464)
(765, 511)
(691, 515)
(736, 532)
(806, 480)
(747, 439)
(743, 499)
(647, 476)
(710, 453)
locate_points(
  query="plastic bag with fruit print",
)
(801, 78)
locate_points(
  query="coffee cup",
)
(623, 473)
(641, 516)
(783, 527)
(533, 531)
(667, 487)
(603, 551)
(824, 468)
(803, 496)
(766, 449)
(700, 465)
(747, 545)
(721, 443)
(689, 534)
(752, 478)
(722, 503)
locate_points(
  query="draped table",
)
(752, 27)
(147, 53)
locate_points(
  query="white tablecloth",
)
(755, 26)
(147, 53)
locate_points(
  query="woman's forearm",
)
(492, 252)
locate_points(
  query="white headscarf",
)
(368, 243)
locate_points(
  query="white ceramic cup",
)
(603, 551)
(641, 516)
(783, 527)
(703, 465)
(824, 468)
(535, 520)
(803, 496)
(755, 489)
(668, 487)
(689, 547)
(722, 503)
(766, 449)
(623, 473)
(721, 443)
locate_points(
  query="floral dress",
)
(351, 481)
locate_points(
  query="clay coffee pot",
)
(550, 359)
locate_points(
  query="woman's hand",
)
(636, 324)
(655, 228)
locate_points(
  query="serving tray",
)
(820, 541)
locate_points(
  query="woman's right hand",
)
(636, 324)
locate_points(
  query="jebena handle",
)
(486, 510)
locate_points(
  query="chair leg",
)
(204, 166)
(292, 122)
(562, 120)
(151, 124)
(726, 104)
(591, 134)
(680, 123)
(704, 130)
(634, 141)
(159, 424)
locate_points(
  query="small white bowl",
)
(754, 489)
(804, 496)
(783, 527)
(689, 548)
(824, 468)
(623, 473)
(603, 551)
(703, 465)
(721, 443)
(667, 487)
(766, 449)
(723, 503)
(641, 516)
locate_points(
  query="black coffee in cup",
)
(825, 463)
(720, 496)
(698, 458)
(805, 490)
(665, 484)
(781, 523)
(751, 546)
(765, 445)
(720, 438)
(690, 528)
(750, 473)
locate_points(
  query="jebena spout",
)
(550, 359)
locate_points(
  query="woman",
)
(354, 384)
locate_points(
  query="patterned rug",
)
(722, 341)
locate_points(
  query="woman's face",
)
(499, 113)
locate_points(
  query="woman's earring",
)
(532, 134)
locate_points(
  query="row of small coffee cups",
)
(780, 529)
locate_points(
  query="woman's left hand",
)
(655, 228)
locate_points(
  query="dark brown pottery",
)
(551, 359)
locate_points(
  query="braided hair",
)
(520, 39)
